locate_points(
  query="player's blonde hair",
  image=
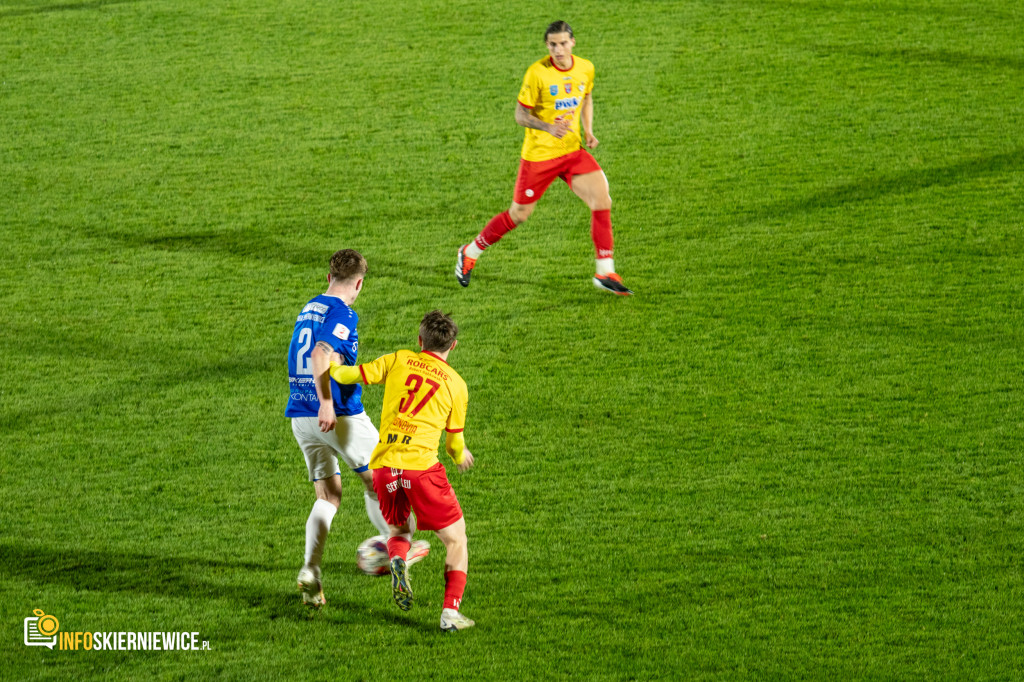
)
(438, 331)
(347, 264)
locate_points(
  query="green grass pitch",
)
(794, 454)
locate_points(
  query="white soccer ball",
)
(372, 556)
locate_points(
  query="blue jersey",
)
(328, 319)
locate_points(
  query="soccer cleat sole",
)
(401, 591)
(462, 277)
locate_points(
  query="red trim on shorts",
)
(363, 375)
(427, 352)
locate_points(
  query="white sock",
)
(473, 251)
(318, 525)
(373, 512)
(605, 266)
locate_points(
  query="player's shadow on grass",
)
(904, 182)
(237, 243)
(185, 578)
(911, 55)
(61, 7)
(255, 246)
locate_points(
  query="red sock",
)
(398, 546)
(601, 232)
(454, 586)
(494, 230)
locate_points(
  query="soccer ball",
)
(372, 556)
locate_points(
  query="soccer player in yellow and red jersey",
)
(554, 100)
(423, 396)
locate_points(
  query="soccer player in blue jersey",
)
(328, 420)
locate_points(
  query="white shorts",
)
(354, 439)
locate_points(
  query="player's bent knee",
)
(454, 536)
(520, 213)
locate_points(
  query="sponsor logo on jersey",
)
(554, 90)
(582, 86)
(566, 103)
(568, 88)
(313, 306)
(341, 331)
(419, 364)
(405, 427)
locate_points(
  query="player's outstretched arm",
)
(345, 374)
(525, 118)
(368, 373)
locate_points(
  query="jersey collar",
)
(427, 352)
(571, 64)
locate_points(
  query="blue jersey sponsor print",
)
(327, 319)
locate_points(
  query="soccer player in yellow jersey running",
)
(554, 99)
(423, 396)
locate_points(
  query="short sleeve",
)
(460, 403)
(590, 81)
(377, 371)
(339, 330)
(529, 94)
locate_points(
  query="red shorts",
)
(536, 176)
(428, 493)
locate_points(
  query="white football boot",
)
(418, 551)
(310, 587)
(452, 620)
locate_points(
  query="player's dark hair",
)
(558, 27)
(347, 264)
(438, 331)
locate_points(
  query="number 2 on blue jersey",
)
(302, 364)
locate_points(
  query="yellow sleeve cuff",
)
(345, 374)
(454, 444)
